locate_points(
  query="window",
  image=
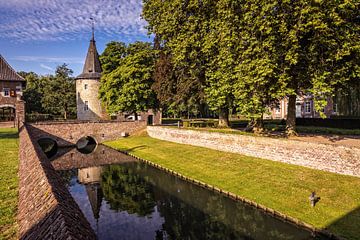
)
(6, 92)
(85, 86)
(277, 109)
(308, 107)
(335, 108)
(86, 106)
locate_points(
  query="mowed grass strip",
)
(8, 182)
(282, 187)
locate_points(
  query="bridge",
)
(66, 134)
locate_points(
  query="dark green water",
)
(136, 201)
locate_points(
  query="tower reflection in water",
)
(91, 177)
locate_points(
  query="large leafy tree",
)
(59, 93)
(128, 87)
(179, 27)
(253, 53)
(112, 56)
(33, 92)
(319, 49)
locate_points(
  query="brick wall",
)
(332, 158)
(46, 209)
(68, 133)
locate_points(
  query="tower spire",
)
(92, 29)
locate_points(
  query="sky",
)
(38, 35)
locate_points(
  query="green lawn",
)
(279, 186)
(8, 182)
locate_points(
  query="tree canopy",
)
(251, 54)
(51, 94)
(127, 88)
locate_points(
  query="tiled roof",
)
(7, 73)
(92, 68)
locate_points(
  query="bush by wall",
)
(329, 122)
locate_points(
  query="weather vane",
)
(92, 27)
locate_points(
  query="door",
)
(150, 120)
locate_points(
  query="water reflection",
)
(136, 201)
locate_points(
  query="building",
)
(89, 106)
(12, 107)
(304, 108)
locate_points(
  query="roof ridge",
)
(7, 73)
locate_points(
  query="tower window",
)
(307, 107)
(86, 106)
(85, 86)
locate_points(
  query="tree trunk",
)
(65, 115)
(291, 116)
(135, 116)
(224, 117)
(258, 125)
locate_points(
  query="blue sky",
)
(38, 35)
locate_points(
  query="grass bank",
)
(8, 182)
(279, 186)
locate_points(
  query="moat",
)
(133, 200)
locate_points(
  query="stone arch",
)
(48, 145)
(2, 112)
(86, 144)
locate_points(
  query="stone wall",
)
(46, 209)
(20, 113)
(332, 158)
(71, 158)
(68, 133)
(90, 95)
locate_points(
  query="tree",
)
(250, 54)
(164, 80)
(319, 49)
(59, 92)
(33, 92)
(178, 26)
(111, 57)
(128, 87)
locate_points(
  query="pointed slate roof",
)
(7, 73)
(95, 196)
(92, 67)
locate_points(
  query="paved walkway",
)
(6, 124)
(342, 140)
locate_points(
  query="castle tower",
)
(87, 86)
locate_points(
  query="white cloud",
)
(49, 59)
(46, 67)
(25, 20)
